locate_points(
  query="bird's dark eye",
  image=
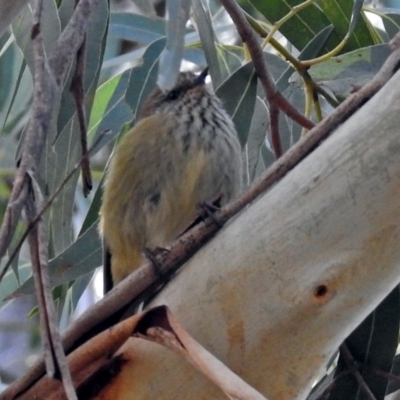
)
(173, 95)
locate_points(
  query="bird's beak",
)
(201, 79)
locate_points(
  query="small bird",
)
(182, 152)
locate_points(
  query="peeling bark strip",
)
(93, 385)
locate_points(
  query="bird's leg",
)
(206, 210)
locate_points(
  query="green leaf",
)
(10, 283)
(171, 57)
(14, 116)
(204, 25)
(50, 29)
(66, 154)
(229, 60)
(7, 70)
(302, 27)
(312, 50)
(110, 110)
(267, 155)
(195, 55)
(391, 22)
(135, 27)
(63, 151)
(77, 289)
(290, 130)
(275, 65)
(95, 44)
(345, 73)
(79, 259)
(92, 216)
(143, 78)
(65, 12)
(145, 6)
(257, 135)
(345, 17)
(238, 94)
(103, 96)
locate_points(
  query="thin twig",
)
(71, 39)
(56, 361)
(78, 94)
(274, 129)
(383, 374)
(40, 291)
(352, 367)
(332, 385)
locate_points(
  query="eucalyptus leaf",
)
(64, 151)
(195, 55)
(14, 102)
(348, 72)
(311, 50)
(289, 129)
(65, 11)
(50, 29)
(10, 283)
(257, 136)
(205, 28)
(171, 56)
(302, 27)
(348, 19)
(143, 78)
(78, 288)
(80, 258)
(267, 155)
(8, 11)
(66, 155)
(110, 111)
(229, 60)
(145, 6)
(391, 22)
(95, 43)
(238, 94)
(135, 27)
(7, 71)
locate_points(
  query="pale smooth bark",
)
(278, 290)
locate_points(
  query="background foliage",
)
(318, 51)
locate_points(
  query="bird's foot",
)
(208, 208)
(153, 256)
